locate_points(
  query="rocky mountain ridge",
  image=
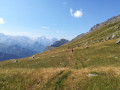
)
(111, 20)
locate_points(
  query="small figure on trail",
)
(72, 50)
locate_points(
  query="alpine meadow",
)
(89, 61)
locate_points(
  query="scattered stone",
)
(108, 38)
(88, 60)
(116, 57)
(118, 42)
(114, 36)
(15, 61)
(116, 27)
(100, 40)
(86, 42)
(92, 75)
(32, 57)
(53, 56)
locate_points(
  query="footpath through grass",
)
(104, 78)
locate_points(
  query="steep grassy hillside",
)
(94, 64)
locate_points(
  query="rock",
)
(86, 42)
(116, 57)
(111, 20)
(100, 40)
(88, 60)
(92, 75)
(108, 38)
(53, 56)
(15, 61)
(118, 42)
(114, 36)
(32, 57)
(116, 27)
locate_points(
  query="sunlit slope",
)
(97, 48)
(94, 64)
(103, 78)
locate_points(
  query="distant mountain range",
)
(4, 56)
(16, 50)
(22, 46)
(57, 44)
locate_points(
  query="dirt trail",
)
(69, 58)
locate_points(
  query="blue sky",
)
(54, 18)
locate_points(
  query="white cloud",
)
(44, 27)
(77, 14)
(2, 21)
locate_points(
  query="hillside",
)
(93, 64)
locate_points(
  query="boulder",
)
(118, 42)
(15, 61)
(116, 27)
(92, 75)
(100, 40)
(88, 59)
(108, 38)
(86, 42)
(114, 36)
(32, 57)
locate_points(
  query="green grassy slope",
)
(60, 68)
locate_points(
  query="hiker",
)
(72, 50)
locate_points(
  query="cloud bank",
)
(2, 21)
(77, 14)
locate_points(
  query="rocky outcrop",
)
(112, 20)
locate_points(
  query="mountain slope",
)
(15, 50)
(111, 20)
(78, 37)
(4, 56)
(38, 45)
(89, 63)
(57, 44)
